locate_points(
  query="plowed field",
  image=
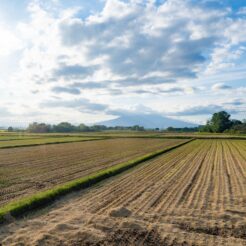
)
(32, 141)
(26, 170)
(194, 195)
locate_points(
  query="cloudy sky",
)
(88, 61)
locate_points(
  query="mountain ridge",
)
(147, 121)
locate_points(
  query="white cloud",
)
(242, 11)
(220, 86)
(232, 32)
(9, 42)
(113, 9)
(128, 52)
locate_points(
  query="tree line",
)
(68, 127)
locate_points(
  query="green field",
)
(121, 134)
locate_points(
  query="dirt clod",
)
(120, 212)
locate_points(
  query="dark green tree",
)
(10, 129)
(97, 128)
(238, 126)
(137, 128)
(220, 122)
(83, 128)
(63, 127)
(38, 127)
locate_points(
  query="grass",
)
(8, 138)
(24, 205)
(123, 134)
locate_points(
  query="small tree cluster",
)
(221, 122)
(182, 129)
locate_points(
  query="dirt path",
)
(194, 195)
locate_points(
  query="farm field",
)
(193, 195)
(123, 134)
(32, 141)
(26, 170)
(11, 137)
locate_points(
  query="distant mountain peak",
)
(146, 120)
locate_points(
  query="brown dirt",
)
(120, 212)
(194, 195)
(24, 171)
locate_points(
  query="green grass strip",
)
(17, 208)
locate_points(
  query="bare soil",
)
(194, 195)
(26, 170)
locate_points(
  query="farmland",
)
(15, 137)
(27, 170)
(193, 195)
(121, 134)
(32, 141)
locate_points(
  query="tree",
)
(83, 128)
(137, 128)
(63, 127)
(220, 122)
(38, 128)
(238, 126)
(170, 129)
(98, 128)
(206, 128)
(236, 122)
(10, 129)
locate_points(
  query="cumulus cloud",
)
(71, 71)
(200, 110)
(130, 50)
(242, 11)
(142, 38)
(236, 102)
(220, 86)
(4, 112)
(9, 42)
(81, 104)
(133, 43)
(70, 90)
(89, 85)
(167, 91)
(210, 109)
(133, 110)
(71, 31)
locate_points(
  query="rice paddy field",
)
(26, 170)
(192, 195)
(33, 141)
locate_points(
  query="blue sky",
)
(84, 61)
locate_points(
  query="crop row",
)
(198, 189)
(4, 144)
(193, 195)
(24, 171)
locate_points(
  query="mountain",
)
(147, 121)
